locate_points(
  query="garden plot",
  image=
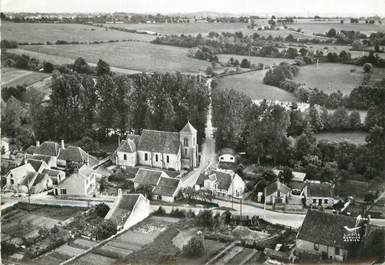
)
(14, 77)
(184, 237)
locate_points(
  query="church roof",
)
(188, 128)
(159, 141)
(127, 146)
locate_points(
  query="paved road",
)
(208, 154)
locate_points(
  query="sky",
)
(294, 7)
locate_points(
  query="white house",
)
(318, 194)
(227, 155)
(223, 183)
(81, 183)
(48, 148)
(16, 176)
(324, 234)
(277, 192)
(128, 210)
(161, 149)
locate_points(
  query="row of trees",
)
(263, 132)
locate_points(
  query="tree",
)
(305, 144)
(81, 66)
(331, 33)
(195, 247)
(209, 71)
(268, 175)
(340, 119)
(146, 190)
(245, 63)
(367, 67)
(355, 120)
(315, 119)
(105, 229)
(376, 146)
(102, 209)
(103, 68)
(286, 175)
(48, 67)
(205, 219)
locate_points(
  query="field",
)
(43, 32)
(14, 77)
(253, 59)
(339, 48)
(129, 55)
(187, 28)
(251, 84)
(331, 77)
(353, 137)
(322, 27)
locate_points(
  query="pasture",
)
(224, 58)
(14, 77)
(331, 77)
(137, 56)
(186, 28)
(353, 137)
(339, 48)
(43, 32)
(251, 84)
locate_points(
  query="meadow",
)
(323, 27)
(15, 77)
(137, 56)
(186, 28)
(353, 137)
(251, 84)
(43, 32)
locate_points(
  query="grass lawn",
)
(187, 28)
(251, 84)
(353, 137)
(323, 27)
(224, 58)
(43, 32)
(131, 55)
(14, 77)
(331, 77)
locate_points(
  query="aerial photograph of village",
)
(193, 132)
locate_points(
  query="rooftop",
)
(159, 141)
(166, 187)
(277, 186)
(127, 146)
(319, 189)
(227, 151)
(48, 148)
(147, 176)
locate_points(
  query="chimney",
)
(62, 144)
(118, 140)
(37, 143)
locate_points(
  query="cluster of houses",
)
(44, 168)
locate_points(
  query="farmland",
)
(132, 55)
(187, 28)
(251, 84)
(322, 27)
(353, 137)
(43, 32)
(14, 77)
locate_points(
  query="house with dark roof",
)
(327, 235)
(38, 165)
(222, 183)
(77, 155)
(128, 210)
(49, 160)
(227, 155)
(161, 149)
(48, 148)
(277, 192)
(41, 182)
(148, 177)
(167, 189)
(318, 194)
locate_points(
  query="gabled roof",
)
(22, 171)
(30, 150)
(37, 164)
(188, 128)
(127, 146)
(134, 137)
(159, 141)
(48, 148)
(125, 205)
(297, 176)
(319, 190)
(148, 176)
(83, 173)
(29, 179)
(44, 158)
(277, 186)
(227, 151)
(166, 187)
(51, 172)
(39, 178)
(223, 180)
(325, 228)
(76, 154)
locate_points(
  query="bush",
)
(7, 249)
(105, 229)
(160, 212)
(195, 247)
(367, 67)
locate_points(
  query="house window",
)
(193, 141)
(185, 141)
(125, 157)
(12, 181)
(145, 156)
(326, 201)
(221, 157)
(63, 191)
(231, 158)
(337, 251)
(156, 157)
(316, 246)
(314, 201)
(168, 159)
(185, 151)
